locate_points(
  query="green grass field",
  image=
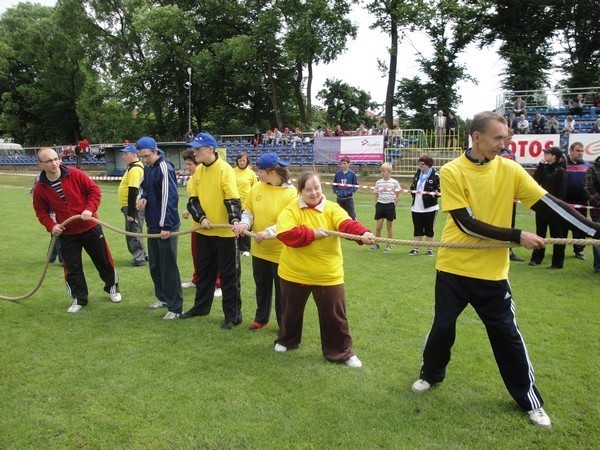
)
(117, 376)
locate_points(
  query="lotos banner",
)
(528, 148)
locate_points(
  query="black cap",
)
(556, 151)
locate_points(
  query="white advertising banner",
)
(528, 148)
(362, 148)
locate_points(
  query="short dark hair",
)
(304, 177)
(573, 145)
(345, 159)
(427, 160)
(240, 156)
(188, 155)
(481, 121)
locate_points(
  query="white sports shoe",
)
(246, 254)
(218, 292)
(539, 417)
(188, 284)
(74, 308)
(157, 305)
(280, 348)
(170, 316)
(420, 386)
(115, 298)
(354, 362)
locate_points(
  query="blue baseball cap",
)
(203, 140)
(148, 143)
(130, 149)
(269, 160)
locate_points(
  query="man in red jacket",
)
(68, 192)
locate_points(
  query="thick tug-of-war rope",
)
(352, 237)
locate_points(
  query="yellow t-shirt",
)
(265, 203)
(245, 179)
(212, 185)
(321, 262)
(488, 191)
(132, 178)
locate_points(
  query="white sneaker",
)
(539, 417)
(375, 247)
(115, 298)
(246, 254)
(420, 386)
(414, 251)
(74, 307)
(354, 362)
(157, 305)
(170, 316)
(388, 249)
(280, 348)
(218, 292)
(188, 284)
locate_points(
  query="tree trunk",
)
(274, 95)
(309, 93)
(298, 92)
(389, 96)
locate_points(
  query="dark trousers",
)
(348, 205)
(95, 246)
(56, 250)
(596, 250)
(558, 253)
(193, 240)
(218, 255)
(266, 280)
(423, 223)
(135, 245)
(244, 243)
(492, 300)
(336, 342)
(162, 261)
(578, 234)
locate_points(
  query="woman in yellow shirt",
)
(311, 262)
(263, 204)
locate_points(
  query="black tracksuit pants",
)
(267, 282)
(492, 300)
(95, 245)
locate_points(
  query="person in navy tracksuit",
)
(345, 194)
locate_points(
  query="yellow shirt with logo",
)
(245, 179)
(212, 185)
(265, 203)
(132, 178)
(321, 262)
(488, 191)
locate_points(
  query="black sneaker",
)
(580, 255)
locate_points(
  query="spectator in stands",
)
(551, 174)
(100, 155)
(296, 137)
(519, 107)
(592, 192)
(319, 132)
(329, 132)
(257, 137)
(596, 105)
(523, 125)
(538, 125)
(576, 105)
(372, 131)
(277, 136)
(596, 128)
(569, 125)
(189, 136)
(512, 122)
(361, 130)
(553, 125)
(338, 131)
(397, 137)
(286, 136)
(451, 130)
(386, 132)
(439, 127)
(576, 168)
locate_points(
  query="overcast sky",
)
(358, 65)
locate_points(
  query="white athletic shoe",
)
(115, 298)
(188, 284)
(218, 292)
(74, 308)
(157, 305)
(354, 362)
(420, 386)
(246, 254)
(280, 348)
(539, 417)
(170, 316)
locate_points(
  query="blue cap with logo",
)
(147, 143)
(269, 160)
(130, 149)
(203, 140)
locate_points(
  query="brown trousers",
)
(336, 341)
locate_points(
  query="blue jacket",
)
(345, 178)
(159, 188)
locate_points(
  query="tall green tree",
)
(346, 105)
